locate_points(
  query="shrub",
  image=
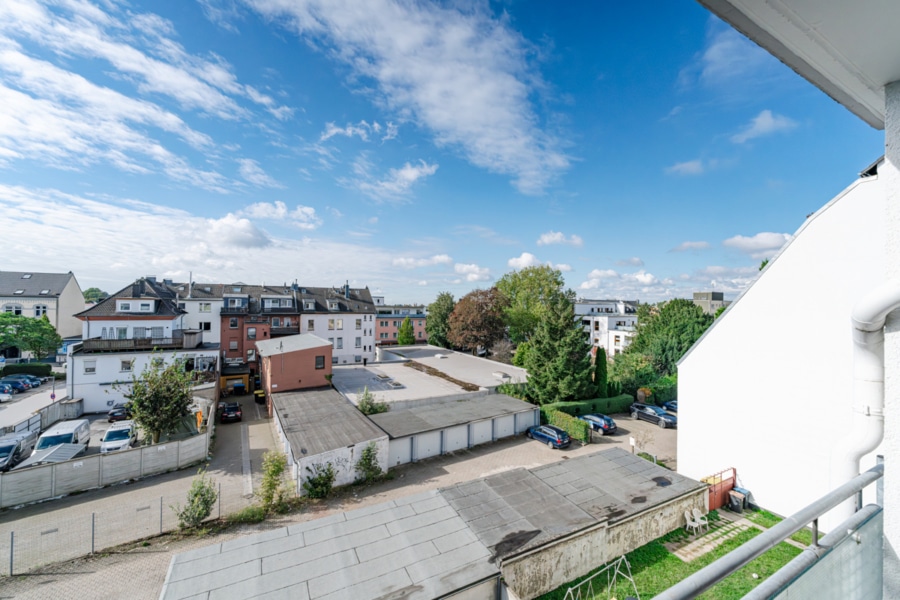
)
(615, 404)
(367, 404)
(320, 480)
(251, 514)
(36, 369)
(201, 499)
(576, 428)
(516, 390)
(368, 467)
(665, 389)
(272, 491)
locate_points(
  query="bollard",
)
(93, 523)
(160, 514)
(220, 500)
(12, 547)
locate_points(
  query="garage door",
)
(399, 452)
(428, 444)
(504, 426)
(481, 432)
(524, 420)
(456, 438)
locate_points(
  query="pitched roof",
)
(144, 288)
(290, 343)
(355, 300)
(31, 284)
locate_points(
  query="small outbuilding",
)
(293, 362)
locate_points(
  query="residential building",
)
(850, 51)
(344, 316)
(202, 304)
(389, 318)
(294, 362)
(710, 302)
(122, 334)
(609, 323)
(56, 295)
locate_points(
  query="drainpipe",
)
(867, 431)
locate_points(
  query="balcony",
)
(234, 310)
(135, 344)
(279, 309)
(289, 330)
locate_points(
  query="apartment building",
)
(390, 317)
(609, 323)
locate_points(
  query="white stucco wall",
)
(768, 389)
(348, 353)
(344, 461)
(94, 328)
(194, 318)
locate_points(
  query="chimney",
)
(151, 278)
(347, 290)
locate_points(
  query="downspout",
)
(868, 318)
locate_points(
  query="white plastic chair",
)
(691, 525)
(700, 519)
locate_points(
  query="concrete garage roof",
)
(410, 421)
(432, 544)
(320, 420)
(465, 367)
(413, 384)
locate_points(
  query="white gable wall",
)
(768, 389)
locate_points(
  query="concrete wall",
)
(88, 472)
(546, 568)
(343, 460)
(781, 356)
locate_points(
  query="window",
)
(251, 333)
(15, 309)
(251, 355)
(26, 276)
(276, 322)
(340, 343)
(383, 335)
(157, 362)
(359, 323)
(235, 303)
(157, 332)
(205, 326)
(181, 305)
(45, 292)
(320, 362)
(382, 323)
(395, 335)
(340, 323)
(357, 358)
(121, 333)
(233, 345)
(331, 341)
(145, 307)
(618, 339)
(358, 343)
(103, 334)
(18, 292)
(309, 305)
(233, 322)
(90, 366)
(420, 334)
(334, 360)
(124, 306)
(138, 332)
(205, 307)
(596, 325)
(40, 310)
(396, 323)
(330, 324)
(126, 366)
(310, 325)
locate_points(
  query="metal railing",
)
(149, 343)
(712, 574)
(289, 330)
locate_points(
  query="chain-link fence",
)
(26, 548)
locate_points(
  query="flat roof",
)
(320, 419)
(381, 377)
(464, 367)
(290, 343)
(410, 421)
(432, 544)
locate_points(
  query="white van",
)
(119, 436)
(67, 432)
(15, 447)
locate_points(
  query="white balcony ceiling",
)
(848, 48)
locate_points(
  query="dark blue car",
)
(654, 414)
(600, 423)
(550, 435)
(671, 405)
(19, 386)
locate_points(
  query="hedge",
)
(37, 369)
(616, 404)
(576, 428)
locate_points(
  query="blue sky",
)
(413, 147)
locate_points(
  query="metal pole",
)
(160, 513)
(220, 499)
(12, 547)
(93, 523)
(815, 532)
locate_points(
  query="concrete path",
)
(139, 572)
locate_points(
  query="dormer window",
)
(332, 305)
(309, 305)
(18, 292)
(124, 307)
(236, 289)
(146, 306)
(26, 276)
(44, 292)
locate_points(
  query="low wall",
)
(34, 484)
(344, 461)
(544, 569)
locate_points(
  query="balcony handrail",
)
(712, 574)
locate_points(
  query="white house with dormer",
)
(609, 323)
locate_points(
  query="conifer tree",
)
(405, 334)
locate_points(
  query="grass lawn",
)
(655, 569)
(767, 520)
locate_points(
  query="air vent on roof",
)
(383, 377)
(26, 276)
(396, 385)
(207, 289)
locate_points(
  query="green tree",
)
(559, 362)
(477, 319)
(521, 356)
(368, 405)
(529, 292)
(93, 294)
(665, 332)
(12, 329)
(719, 312)
(201, 499)
(160, 397)
(630, 371)
(405, 334)
(437, 324)
(763, 264)
(600, 373)
(39, 337)
(272, 491)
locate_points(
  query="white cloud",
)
(596, 277)
(252, 172)
(472, 272)
(634, 261)
(762, 245)
(557, 237)
(527, 259)
(458, 73)
(484, 233)
(396, 185)
(372, 220)
(691, 167)
(690, 246)
(303, 217)
(232, 230)
(412, 263)
(642, 277)
(423, 283)
(562, 267)
(728, 60)
(361, 130)
(765, 123)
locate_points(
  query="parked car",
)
(5, 388)
(602, 424)
(119, 412)
(17, 384)
(654, 414)
(32, 380)
(4, 397)
(671, 405)
(16, 447)
(77, 431)
(552, 436)
(231, 412)
(120, 436)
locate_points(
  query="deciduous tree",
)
(437, 324)
(477, 319)
(529, 292)
(160, 396)
(405, 334)
(93, 294)
(37, 336)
